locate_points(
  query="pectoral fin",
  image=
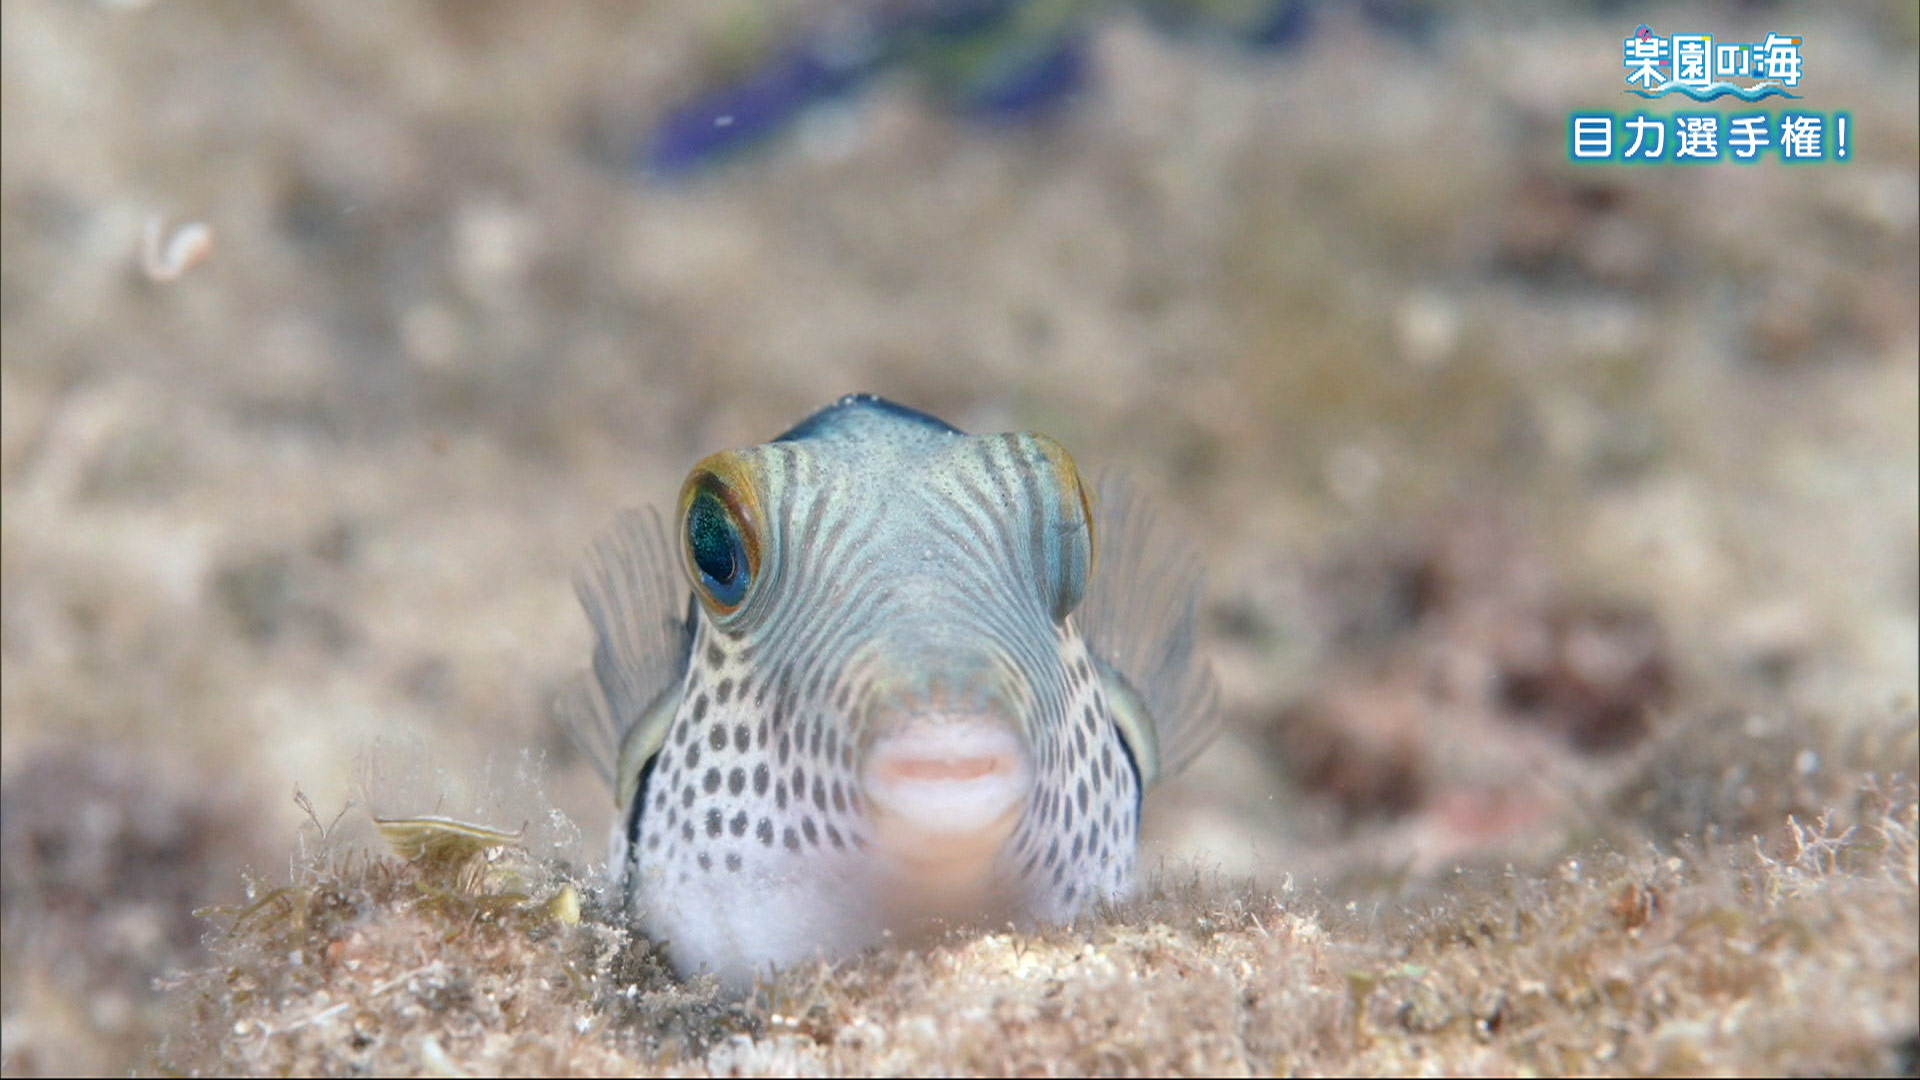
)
(619, 711)
(1139, 620)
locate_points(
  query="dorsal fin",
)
(1139, 620)
(635, 598)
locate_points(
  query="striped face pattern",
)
(875, 677)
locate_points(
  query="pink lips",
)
(945, 794)
(949, 776)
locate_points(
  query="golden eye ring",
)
(720, 533)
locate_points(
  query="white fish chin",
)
(944, 796)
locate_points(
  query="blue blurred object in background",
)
(823, 65)
(1002, 62)
(1260, 24)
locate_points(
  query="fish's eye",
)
(721, 549)
(718, 554)
(1069, 556)
(1077, 545)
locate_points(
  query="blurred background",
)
(1541, 502)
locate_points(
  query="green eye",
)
(1069, 553)
(719, 553)
(720, 531)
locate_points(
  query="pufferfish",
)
(879, 676)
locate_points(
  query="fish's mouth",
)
(944, 795)
(948, 777)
